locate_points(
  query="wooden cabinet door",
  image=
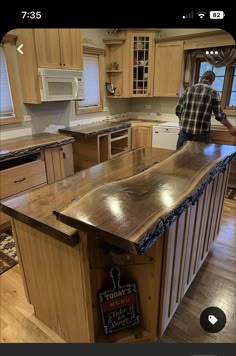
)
(142, 60)
(71, 48)
(59, 48)
(141, 136)
(48, 48)
(28, 68)
(168, 68)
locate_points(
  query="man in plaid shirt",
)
(194, 110)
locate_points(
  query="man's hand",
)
(232, 130)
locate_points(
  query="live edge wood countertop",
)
(16, 147)
(94, 129)
(129, 201)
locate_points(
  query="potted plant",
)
(113, 65)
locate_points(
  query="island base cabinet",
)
(145, 271)
(56, 281)
(62, 282)
(187, 243)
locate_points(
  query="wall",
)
(158, 105)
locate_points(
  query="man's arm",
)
(220, 115)
(229, 126)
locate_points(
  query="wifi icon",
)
(201, 14)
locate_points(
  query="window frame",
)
(7, 42)
(100, 53)
(228, 110)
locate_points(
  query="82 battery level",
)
(217, 15)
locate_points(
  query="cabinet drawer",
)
(17, 179)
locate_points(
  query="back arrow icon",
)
(19, 49)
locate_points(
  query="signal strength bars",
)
(190, 15)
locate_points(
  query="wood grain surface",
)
(19, 146)
(132, 213)
(94, 128)
(36, 208)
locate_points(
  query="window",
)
(225, 83)
(92, 68)
(6, 104)
(10, 111)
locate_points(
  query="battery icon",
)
(217, 15)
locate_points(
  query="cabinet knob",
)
(63, 64)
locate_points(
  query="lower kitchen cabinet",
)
(141, 136)
(23, 173)
(95, 149)
(20, 174)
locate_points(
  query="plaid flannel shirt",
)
(195, 108)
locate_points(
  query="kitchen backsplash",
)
(49, 117)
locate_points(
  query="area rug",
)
(8, 256)
(230, 193)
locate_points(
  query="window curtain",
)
(188, 73)
(226, 56)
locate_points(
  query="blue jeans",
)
(184, 136)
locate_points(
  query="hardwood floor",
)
(215, 285)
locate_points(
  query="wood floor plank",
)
(214, 285)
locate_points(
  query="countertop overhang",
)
(94, 129)
(129, 201)
(16, 147)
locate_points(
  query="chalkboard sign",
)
(119, 305)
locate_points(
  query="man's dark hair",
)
(209, 76)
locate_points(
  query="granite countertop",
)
(16, 147)
(88, 130)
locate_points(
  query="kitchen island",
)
(98, 142)
(154, 219)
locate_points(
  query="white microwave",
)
(61, 84)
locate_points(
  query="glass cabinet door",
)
(142, 49)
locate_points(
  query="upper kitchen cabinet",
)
(130, 64)
(50, 48)
(168, 71)
(59, 48)
(142, 64)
